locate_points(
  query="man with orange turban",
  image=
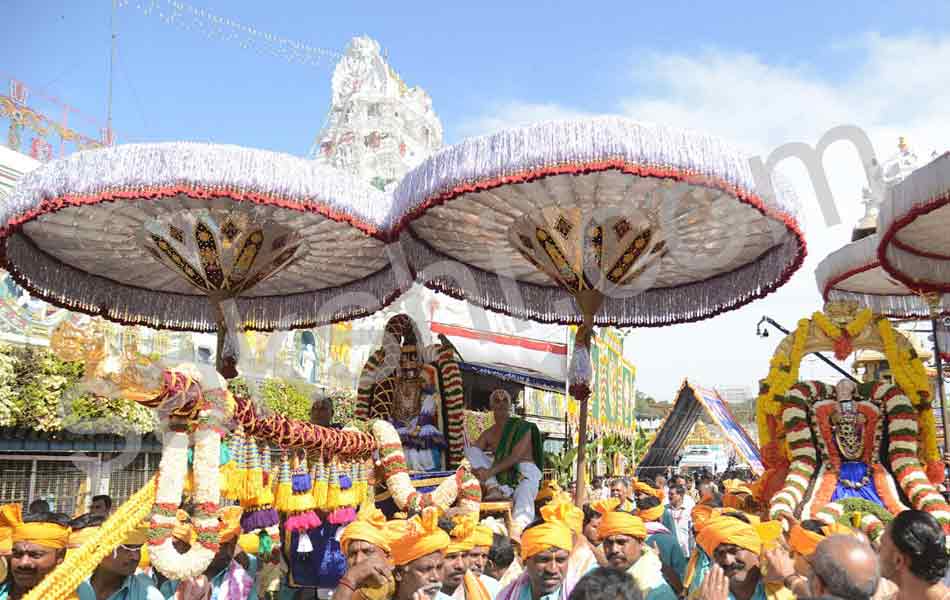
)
(418, 549)
(643, 490)
(231, 574)
(803, 538)
(366, 545)
(115, 578)
(545, 550)
(38, 545)
(623, 536)
(730, 546)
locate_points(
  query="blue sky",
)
(174, 84)
(755, 73)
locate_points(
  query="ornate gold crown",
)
(841, 312)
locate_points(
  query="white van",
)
(713, 458)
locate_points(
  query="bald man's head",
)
(845, 567)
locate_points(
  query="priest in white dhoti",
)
(507, 458)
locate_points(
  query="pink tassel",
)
(303, 521)
(342, 516)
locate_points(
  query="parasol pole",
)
(933, 300)
(225, 365)
(590, 302)
(938, 363)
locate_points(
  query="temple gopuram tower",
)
(378, 128)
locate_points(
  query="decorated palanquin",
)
(296, 482)
(414, 397)
(826, 445)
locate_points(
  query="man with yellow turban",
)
(621, 489)
(738, 495)
(623, 536)
(730, 545)
(418, 548)
(39, 544)
(458, 581)
(115, 578)
(231, 574)
(477, 557)
(545, 550)
(366, 545)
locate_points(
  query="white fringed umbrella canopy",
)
(147, 234)
(854, 273)
(597, 222)
(914, 248)
(912, 226)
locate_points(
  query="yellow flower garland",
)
(81, 562)
(853, 329)
(911, 377)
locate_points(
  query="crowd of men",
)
(649, 539)
(635, 539)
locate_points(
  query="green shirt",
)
(671, 554)
(136, 587)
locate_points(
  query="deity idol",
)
(848, 428)
(410, 401)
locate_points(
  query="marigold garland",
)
(853, 329)
(81, 562)
(783, 374)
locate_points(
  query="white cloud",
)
(897, 88)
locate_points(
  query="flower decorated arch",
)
(793, 419)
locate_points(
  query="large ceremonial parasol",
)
(597, 222)
(854, 273)
(199, 237)
(914, 248)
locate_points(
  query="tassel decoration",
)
(333, 487)
(302, 516)
(285, 491)
(304, 545)
(320, 486)
(240, 456)
(254, 477)
(342, 516)
(347, 493)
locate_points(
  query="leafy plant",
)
(39, 391)
(860, 505)
(9, 410)
(562, 463)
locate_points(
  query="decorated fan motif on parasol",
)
(223, 253)
(580, 254)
